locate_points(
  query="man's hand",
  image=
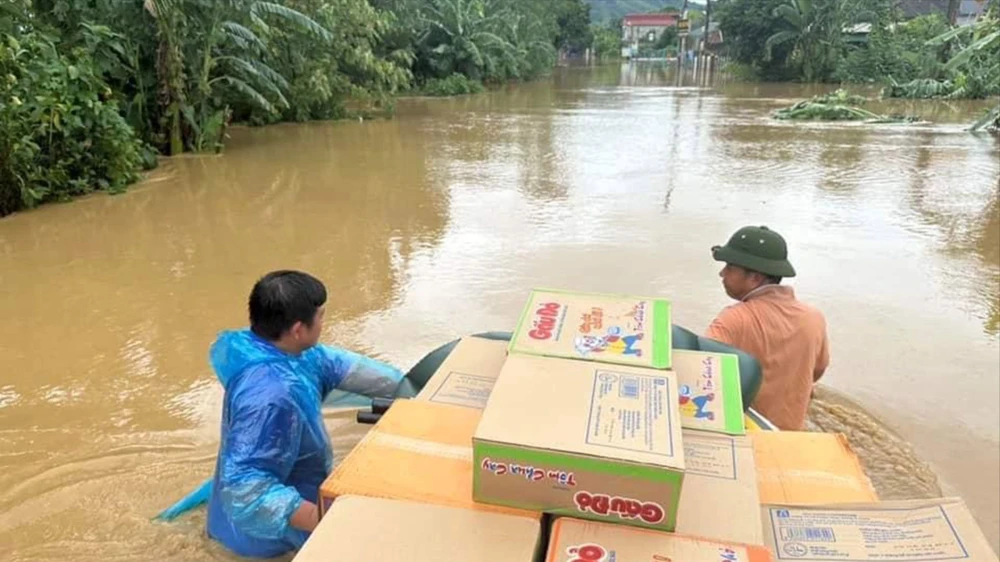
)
(306, 517)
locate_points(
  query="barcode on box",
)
(630, 387)
(808, 534)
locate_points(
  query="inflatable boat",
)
(681, 338)
(416, 378)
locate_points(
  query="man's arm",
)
(352, 372)
(823, 361)
(258, 452)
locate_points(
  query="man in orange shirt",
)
(786, 335)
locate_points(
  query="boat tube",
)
(681, 338)
(423, 370)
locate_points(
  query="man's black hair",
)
(282, 298)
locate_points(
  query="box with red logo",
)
(582, 439)
(573, 540)
(616, 329)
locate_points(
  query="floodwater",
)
(435, 224)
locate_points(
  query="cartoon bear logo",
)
(612, 343)
(694, 406)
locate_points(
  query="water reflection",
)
(965, 213)
(325, 198)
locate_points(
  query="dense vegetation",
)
(857, 41)
(92, 90)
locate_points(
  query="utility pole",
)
(953, 6)
(683, 40)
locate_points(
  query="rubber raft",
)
(415, 380)
(681, 338)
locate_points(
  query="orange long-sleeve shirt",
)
(789, 339)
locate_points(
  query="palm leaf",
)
(780, 38)
(237, 31)
(269, 73)
(790, 14)
(947, 36)
(248, 91)
(292, 16)
(992, 116)
(264, 78)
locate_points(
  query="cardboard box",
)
(358, 529)
(608, 328)
(466, 376)
(710, 393)
(902, 531)
(803, 468)
(720, 499)
(418, 451)
(583, 439)
(573, 540)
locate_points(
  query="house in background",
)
(644, 27)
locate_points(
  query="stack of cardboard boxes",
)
(587, 438)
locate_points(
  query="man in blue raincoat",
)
(275, 451)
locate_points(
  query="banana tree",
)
(464, 36)
(226, 48)
(815, 28)
(979, 58)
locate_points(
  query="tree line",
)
(863, 41)
(92, 91)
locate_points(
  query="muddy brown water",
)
(436, 223)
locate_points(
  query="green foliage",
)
(976, 63)
(323, 79)
(454, 85)
(746, 26)
(815, 30)
(62, 134)
(573, 21)
(920, 88)
(607, 42)
(839, 105)
(897, 51)
(669, 38)
(85, 80)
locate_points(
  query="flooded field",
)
(435, 224)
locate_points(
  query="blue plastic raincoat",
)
(275, 451)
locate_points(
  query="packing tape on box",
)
(422, 446)
(816, 477)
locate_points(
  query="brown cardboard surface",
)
(573, 540)
(720, 499)
(419, 451)
(902, 531)
(467, 375)
(584, 439)
(619, 329)
(798, 467)
(359, 529)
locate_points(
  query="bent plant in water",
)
(980, 56)
(838, 106)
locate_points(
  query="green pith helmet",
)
(756, 248)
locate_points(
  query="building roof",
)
(914, 8)
(651, 20)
